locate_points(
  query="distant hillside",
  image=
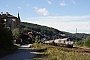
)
(48, 32)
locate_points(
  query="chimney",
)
(1, 13)
(7, 13)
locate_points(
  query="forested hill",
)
(48, 32)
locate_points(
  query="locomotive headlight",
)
(67, 43)
(71, 42)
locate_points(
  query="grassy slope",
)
(59, 53)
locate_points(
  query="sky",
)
(64, 15)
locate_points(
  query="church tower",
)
(18, 16)
(18, 20)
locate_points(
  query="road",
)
(23, 53)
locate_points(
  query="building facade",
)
(11, 21)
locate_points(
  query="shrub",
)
(6, 39)
(16, 33)
(87, 41)
(80, 43)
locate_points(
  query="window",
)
(10, 20)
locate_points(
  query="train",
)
(67, 42)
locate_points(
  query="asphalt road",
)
(23, 53)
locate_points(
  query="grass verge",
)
(59, 53)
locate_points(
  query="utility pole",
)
(76, 34)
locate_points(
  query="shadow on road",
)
(23, 53)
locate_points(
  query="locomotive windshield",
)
(69, 39)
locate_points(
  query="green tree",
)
(37, 40)
(16, 33)
(6, 39)
(49, 32)
(87, 41)
(80, 43)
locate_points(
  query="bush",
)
(16, 33)
(87, 42)
(6, 39)
(80, 43)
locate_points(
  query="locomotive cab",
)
(69, 42)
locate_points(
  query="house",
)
(11, 21)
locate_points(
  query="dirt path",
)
(23, 53)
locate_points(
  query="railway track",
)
(79, 49)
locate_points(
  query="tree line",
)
(48, 32)
(84, 42)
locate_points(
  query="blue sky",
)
(64, 15)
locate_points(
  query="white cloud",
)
(23, 1)
(64, 23)
(42, 11)
(19, 7)
(73, 2)
(27, 5)
(49, 2)
(7, 5)
(63, 18)
(35, 7)
(63, 4)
